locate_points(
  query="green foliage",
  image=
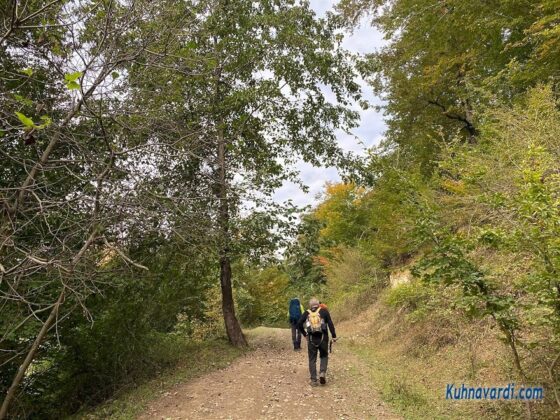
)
(353, 280)
(514, 197)
(302, 256)
(484, 227)
(467, 181)
(492, 227)
(446, 63)
(467, 178)
(135, 324)
(26, 121)
(167, 159)
(28, 71)
(341, 214)
(378, 219)
(70, 80)
(350, 272)
(428, 302)
(182, 360)
(29, 124)
(262, 296)
(411, 296)
(448, 264)
(392, 208)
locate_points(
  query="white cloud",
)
(363, 39)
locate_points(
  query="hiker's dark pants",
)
(296, 335)
(323, 350)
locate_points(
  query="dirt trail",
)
(272, 382)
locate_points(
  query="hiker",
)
(295, 311)
(313, 325)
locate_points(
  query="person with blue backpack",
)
(295, 311)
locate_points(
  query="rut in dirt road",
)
(272, 382)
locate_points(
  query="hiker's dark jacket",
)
(323, 314)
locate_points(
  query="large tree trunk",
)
(233, 328)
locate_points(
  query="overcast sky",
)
(363, 40)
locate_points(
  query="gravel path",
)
(272, 382)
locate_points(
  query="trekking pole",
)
(330, 347)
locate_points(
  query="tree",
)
(445, 62)
(341, 214)
(130, 125)
(255, 97)
(302, 256)
(66, 188)
(493, 226)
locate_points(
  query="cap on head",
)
(313, 303)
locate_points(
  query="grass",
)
(410, 367)
(196, 359)
(400, 389)
(412, 390)
(190, 360)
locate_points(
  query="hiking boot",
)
(322, 379)
(313, 383)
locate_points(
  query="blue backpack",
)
(295, 310)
